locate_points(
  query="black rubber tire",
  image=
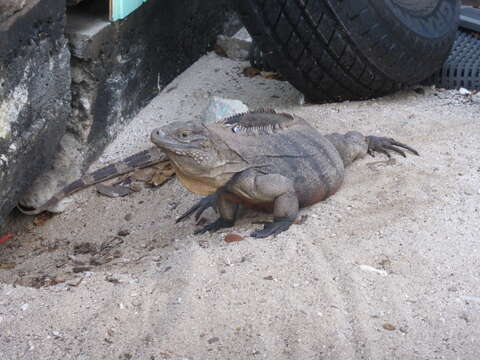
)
(335, 50)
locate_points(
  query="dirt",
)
(386, 268)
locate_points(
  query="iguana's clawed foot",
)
(272, 228)
(215, 226)
(209, 201)
(383, 144)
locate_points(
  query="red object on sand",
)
(5, 237)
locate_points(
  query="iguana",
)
(139, 160)
(265, 160)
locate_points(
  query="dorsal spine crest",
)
(262, 124)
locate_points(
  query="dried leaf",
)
(113, 191)
(7, 265)
(135, 187)
(42, 218)
(159, 179)
(164, 172)
(271, 75)
(233, 238)
(144, 174)
(389, 327)
(250, 71)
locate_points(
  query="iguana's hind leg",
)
(271, 188)
(384, 144)
(285, 211)
(228, 213)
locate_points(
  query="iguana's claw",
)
(216, 225)
(272, 228)
(383, 144)
(209, 201)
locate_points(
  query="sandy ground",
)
(387, 268)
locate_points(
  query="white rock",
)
(476, 97)
(243, 35)
(220, 108)
(24, 307)
(470, 299)
(374, 270)
(464, 91)
(236, 47)
(3, 160)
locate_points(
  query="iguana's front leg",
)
(209, 201)
(270, 188)
(228, 213)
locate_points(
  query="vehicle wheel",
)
(351, 49)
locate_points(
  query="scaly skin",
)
(262, 159)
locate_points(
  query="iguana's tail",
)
(137, 161)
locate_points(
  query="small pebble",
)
(123, 232)
(128, 217)
(233, 238)
(213, 340)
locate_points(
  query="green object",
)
(122, 8)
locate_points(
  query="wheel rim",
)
(416, 7)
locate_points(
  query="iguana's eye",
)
(184, 134)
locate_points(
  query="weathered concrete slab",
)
(34, 94)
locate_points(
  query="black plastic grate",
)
(462, 68)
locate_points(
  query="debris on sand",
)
(372, 269)
(233, 238)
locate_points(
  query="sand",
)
(387, 268)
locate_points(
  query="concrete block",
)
(34, 94)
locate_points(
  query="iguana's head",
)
(188, 145)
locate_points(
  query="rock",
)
(84, 248)
(24, 307)
(78, 269)
(419, 90)
(373, 270)
(213, 340)
(476, 97)
(220, 108)
(236, 47)
(10, 7)
(464, 91)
